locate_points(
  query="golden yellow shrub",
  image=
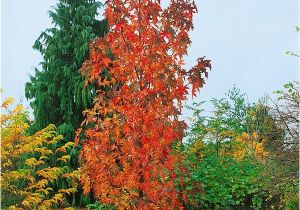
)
(27, 173)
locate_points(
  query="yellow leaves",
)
(50, 173)
(89, 116)
(195, 149)
(44, 191)
(65, 147)
(26, 203)
(244, 137)
(64, 158)
(198, 145)
(34, 162)
(73, 175)
(23, 160)
(44, 157)
(7, 164)
(55, 140)
(251, 113)
(61, 149)
(69, 144)
(259, 151)
(255, 135)
(14, 208)
(32, 199)
(68, 191)
(249, 144)
(12, 175)
(43, 151)
(18, 108)
(43, 183)
(57, 198)
(226, 134)
(7, 102)
(239, 154)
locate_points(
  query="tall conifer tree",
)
(57, 90)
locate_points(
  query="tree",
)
(225, 154)
(286, 114)
(126, 155)
(31, 165)
(244, 154)
(57, 90)
(231, 117)
(283, 163)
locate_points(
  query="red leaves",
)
(198, 73)
(127, 150)
(165, 34)
(119, 26)
(98, 60)
(105, 61)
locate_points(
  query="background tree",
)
(283, 147)
(286, 113)
(57, 90)
(244, 155)
(223, 155)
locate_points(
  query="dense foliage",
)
(231, 154)
(126, 156)
(121, 83)
(283, 164)
(222, 157)
(57, 90)
(32, 166)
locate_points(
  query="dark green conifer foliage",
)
(57, 91)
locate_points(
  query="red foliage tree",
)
(126, 156)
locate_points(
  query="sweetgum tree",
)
(126, 155)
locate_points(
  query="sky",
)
(245, 40)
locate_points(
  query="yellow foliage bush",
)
(27, 175)
(247, 144)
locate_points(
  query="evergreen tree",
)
(57, 90)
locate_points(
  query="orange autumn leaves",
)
(126, 155)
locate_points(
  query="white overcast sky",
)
(245, 39)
